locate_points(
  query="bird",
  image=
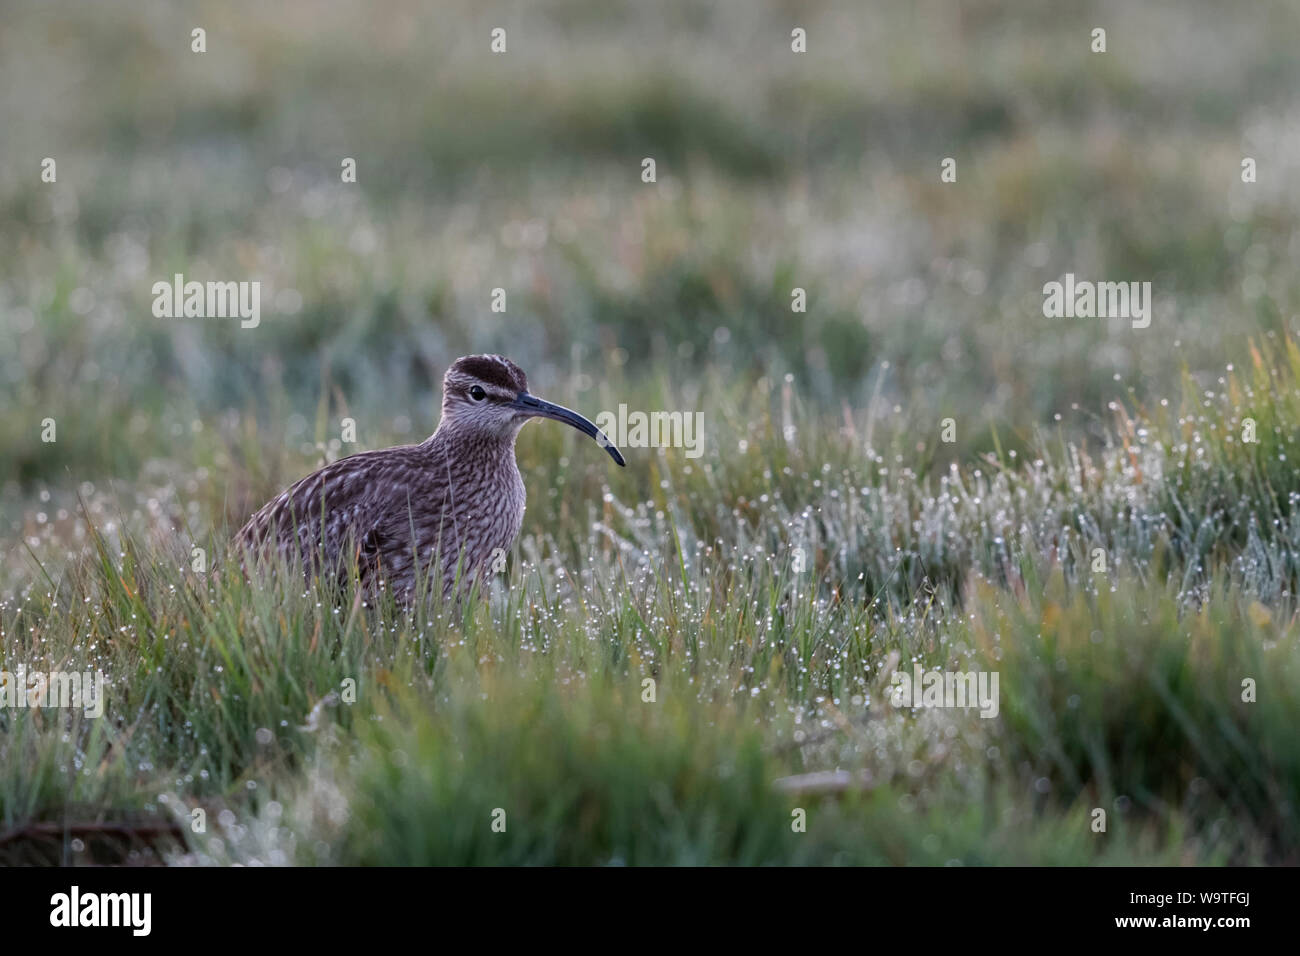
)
(451, 505)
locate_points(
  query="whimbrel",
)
(452, 500)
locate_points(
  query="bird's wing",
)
(351, 505)
(400, 544)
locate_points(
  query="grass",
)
(1120, 690)
(1102, 532)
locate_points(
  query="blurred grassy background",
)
(521, 171)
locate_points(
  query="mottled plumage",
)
(455, 498)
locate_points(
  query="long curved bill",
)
(540, 408)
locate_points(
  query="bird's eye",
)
(476, 392)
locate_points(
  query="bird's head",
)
(488, 394)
